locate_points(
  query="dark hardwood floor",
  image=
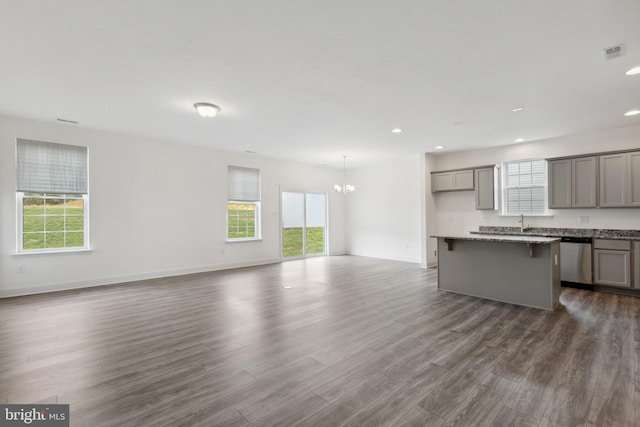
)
(354, 341)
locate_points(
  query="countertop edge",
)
(500, 238)
(633, 235)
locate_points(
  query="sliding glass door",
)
(304, 224)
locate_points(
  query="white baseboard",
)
(104, 281)
(391, 258)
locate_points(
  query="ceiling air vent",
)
(67, 121)
(613, 51)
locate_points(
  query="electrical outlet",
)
(584, 219)
(22, 269)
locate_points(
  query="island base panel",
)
(501, 271)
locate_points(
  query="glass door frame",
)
(304, 228)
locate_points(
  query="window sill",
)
(55, 251)
(256, 239)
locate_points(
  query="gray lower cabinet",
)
(612, 263)
(452, 181)
(573, 183)
(485, 188)
(620, 180)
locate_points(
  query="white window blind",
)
(525, 187)
(244, 184)
(45, 167)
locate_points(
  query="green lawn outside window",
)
(50, 222)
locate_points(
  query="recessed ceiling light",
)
(515, 110)
(632, 113)
(438, 147)
(396, 130)
(633, 71)
(206, 110)
(249, 152)
(518, 140)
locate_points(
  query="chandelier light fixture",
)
(344, 188)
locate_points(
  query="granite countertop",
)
(501, 238)
(561, 232)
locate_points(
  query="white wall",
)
(456, 213)
(156, 209)
(384, 213)
(431, 214)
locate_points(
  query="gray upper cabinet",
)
(573, 183)
(442, 181)
(559, 183)
(634, 178)
(485, 188)
(452, 181)
(620, 180)
(613, 177)
(584, 187)
(463, 180)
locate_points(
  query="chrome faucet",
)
(522, 227)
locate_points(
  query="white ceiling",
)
(312, 80)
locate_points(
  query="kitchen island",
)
(523, 270)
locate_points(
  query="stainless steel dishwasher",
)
(575, 260)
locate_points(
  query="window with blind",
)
(525, 187)
(52, 196)
(243, 205)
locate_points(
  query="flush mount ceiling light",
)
(515, 110)
(518, 140)
(396, 130)
(438, 147)
(632, 113)
(633, 71)
(344, 188)
(206, 110)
